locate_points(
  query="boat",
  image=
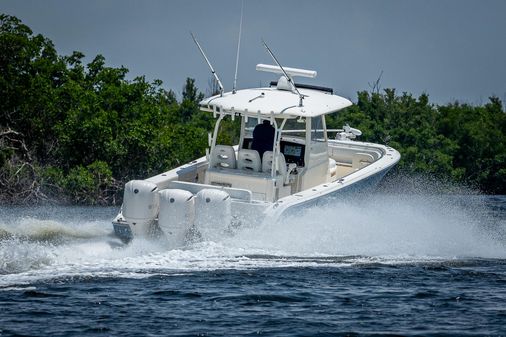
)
(247, 184)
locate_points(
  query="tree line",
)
(77, 132)
(456, 142)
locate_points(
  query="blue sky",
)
(450, 49)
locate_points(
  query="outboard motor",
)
(177, 212)
(212, 213)
(140, 206)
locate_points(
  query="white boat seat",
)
(248, 160)
(362, 160)
(223, 156)
(282, 168)
(267, 163)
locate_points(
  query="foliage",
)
(77, 132)
(86, 127)
(459, 142)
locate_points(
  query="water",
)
(387, 264)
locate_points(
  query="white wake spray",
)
(388, 225)
(383, 228)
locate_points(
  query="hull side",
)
(362, 186)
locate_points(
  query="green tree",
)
(190, 101)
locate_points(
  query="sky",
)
(449, 49)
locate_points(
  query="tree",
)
(191, 99)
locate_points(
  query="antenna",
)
(288, 78)
(209, 64)
(238, 48)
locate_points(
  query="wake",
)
(390, 225)
(382, 228)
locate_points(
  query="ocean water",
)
(392, 264)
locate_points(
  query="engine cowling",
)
(212, 213)
(177, 213)
(140, 205)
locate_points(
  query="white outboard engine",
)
(177, 212)
(212, 213)
(140, 206)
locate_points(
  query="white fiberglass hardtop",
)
(279, 101)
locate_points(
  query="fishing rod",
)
(209, 64)
(288, 78)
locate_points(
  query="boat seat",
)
(267, 161)
(282, 170)
(362, 160)
(248, 160)
(223, 156)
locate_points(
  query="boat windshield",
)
(317, 130)
(249, 127)
(295, 127)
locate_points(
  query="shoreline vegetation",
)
(75, 133)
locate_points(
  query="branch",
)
(5, 134)
(375, 86)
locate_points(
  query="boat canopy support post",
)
(215, 132)
(276, 147)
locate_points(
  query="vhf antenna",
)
(209, 64)
(288, 78)
(238, 48)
